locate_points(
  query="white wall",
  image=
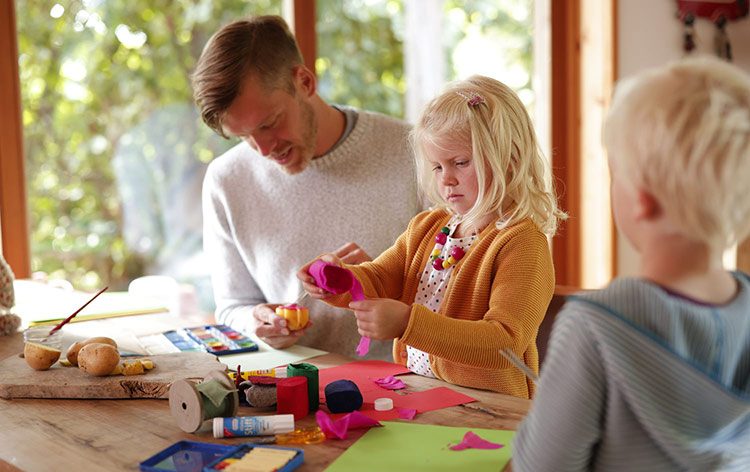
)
(650, 34)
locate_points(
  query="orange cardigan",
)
(496, 298)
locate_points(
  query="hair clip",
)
(473, 99)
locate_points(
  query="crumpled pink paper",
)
(406, 413)
(338, 429)
(390, 383)
(473, 441)
(338, 280)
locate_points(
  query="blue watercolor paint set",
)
(193, 456)
(218, 340)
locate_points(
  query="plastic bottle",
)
(239, 426)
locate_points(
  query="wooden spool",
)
(187, 404)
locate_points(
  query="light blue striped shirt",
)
(637, 378)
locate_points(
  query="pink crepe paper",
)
(338, 429)
(390, 383)
(407, 413)
(473, 441)
(338, 280)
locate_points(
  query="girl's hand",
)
(381, 318)
(308, 282)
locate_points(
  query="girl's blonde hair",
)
(682, 133)
(513, 175)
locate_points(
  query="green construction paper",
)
(412, 446)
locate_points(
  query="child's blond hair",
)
(505, 152)
(682, 133)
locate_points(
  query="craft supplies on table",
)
(186, 456)
(191, 404)
(311, 373)
(219, 340)
(291, 397)
(275, 372)
(242, 426)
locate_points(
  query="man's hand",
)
(308, 282)
(381, 318)
(272, 329)
(351, 253)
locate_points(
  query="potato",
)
(98, 358)
(72, 354)
(40, 357)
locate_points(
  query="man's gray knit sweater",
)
(261, 224)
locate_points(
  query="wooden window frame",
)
(566, 141)
(14, 228)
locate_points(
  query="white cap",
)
(218, 427)
(383, 404)
(282, 423)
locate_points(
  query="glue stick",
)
(279, 372)
(252, 426)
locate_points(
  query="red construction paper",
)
(361, 373)
(473, 441)
(339, 280)
(339, 428)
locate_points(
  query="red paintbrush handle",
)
(63, 322)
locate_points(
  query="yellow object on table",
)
(296, 316)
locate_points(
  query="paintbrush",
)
(511, 357)
(300, 298)
(66, 320)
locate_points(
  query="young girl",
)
(475, 275)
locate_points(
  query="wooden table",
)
(113, 435)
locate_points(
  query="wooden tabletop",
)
(113, 435)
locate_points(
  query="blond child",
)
(475, 275)
(653, 372)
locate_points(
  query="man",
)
(307, 177)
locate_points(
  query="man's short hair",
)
(261, 46)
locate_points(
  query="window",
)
(115, 150)
(105, 95)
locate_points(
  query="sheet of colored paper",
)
(417, 447)
(363, 373)
(266, 357)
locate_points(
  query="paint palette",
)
(218, 340)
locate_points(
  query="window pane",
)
(115, 150)
(491, 38)
(365, 48)
(360, 54)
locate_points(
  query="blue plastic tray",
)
(185, 456)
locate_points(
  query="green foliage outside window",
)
(360, 54)
(91, 72)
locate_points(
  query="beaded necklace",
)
(455, 255)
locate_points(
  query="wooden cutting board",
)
(18, 380)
